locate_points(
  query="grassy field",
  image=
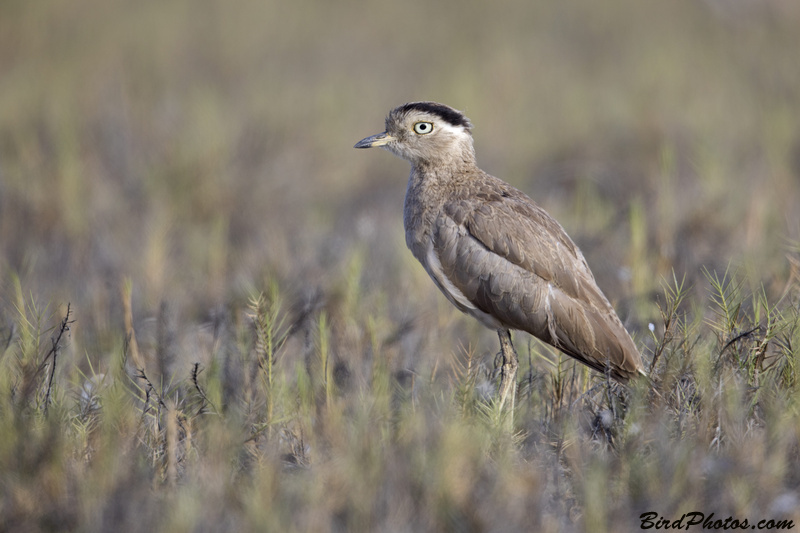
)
(209, 320)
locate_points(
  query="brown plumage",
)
(494, 253)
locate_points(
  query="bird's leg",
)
(508, 372)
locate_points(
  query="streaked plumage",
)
(493, 252)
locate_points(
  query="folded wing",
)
(509, 260)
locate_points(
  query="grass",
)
(209, 321)
(266, 437)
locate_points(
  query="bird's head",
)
(425, 133)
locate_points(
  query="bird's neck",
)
(452, 156)
(430, 185)
(444, 170)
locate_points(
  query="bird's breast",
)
(419, 213)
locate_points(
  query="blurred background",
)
(199, 153)
(203, 150)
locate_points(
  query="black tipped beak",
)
(374, 140)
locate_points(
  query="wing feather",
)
(514, 263)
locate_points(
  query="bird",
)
(494, 253)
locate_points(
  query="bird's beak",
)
(379, 139)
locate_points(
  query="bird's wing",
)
(515, 263)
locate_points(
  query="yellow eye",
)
(423, 127)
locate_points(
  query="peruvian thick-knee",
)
(493, 252)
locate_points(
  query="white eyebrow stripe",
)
(446, 126)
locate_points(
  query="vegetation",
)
(209, 320)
